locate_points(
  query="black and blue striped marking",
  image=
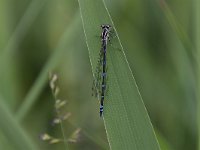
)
(104, 39)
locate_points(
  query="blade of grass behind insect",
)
(39, 84)
(8, 66)
(197, 39)
(126, 120)
(13, 131)
(21, 29)
(4, 142)
(164, 144)
(182, 35)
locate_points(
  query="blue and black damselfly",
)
(99, 84)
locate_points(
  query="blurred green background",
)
(39, 36)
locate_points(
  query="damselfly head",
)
(105, 26)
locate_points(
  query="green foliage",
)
(197, 44)
(18, 138)
(52, 62)
(160, 40)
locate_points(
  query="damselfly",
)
(99, 84)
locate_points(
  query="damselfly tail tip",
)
(101, 113)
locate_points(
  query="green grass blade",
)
(13, 131)
(164, 144)
(21, 29)
(8, 65)
(126, 120)
(197, 38)
(177, 28)
(39, 84)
